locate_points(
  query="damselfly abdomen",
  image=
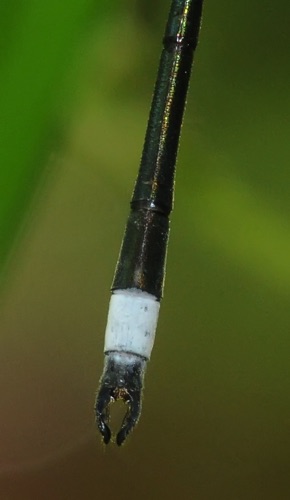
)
(139, 277)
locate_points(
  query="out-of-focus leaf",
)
(37, 45)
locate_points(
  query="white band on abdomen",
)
(132, 321)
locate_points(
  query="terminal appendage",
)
(122, 378)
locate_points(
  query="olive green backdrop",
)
(75, 89)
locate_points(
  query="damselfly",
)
(139, 277)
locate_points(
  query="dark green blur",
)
(75, 89)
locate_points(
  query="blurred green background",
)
(75, 89)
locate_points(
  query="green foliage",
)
(37, 46)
